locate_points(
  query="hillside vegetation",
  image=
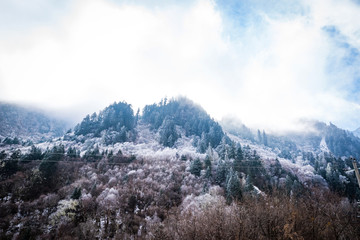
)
(173, 173)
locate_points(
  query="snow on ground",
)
(147, 146)
(304, 171)
(323, 145)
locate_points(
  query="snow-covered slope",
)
(298, 167)
(304, 155)
(323, 145)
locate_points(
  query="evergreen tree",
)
(220, 172)
(208, 173)
(16, 155)
(122, 135)
(205, 187)
(208, 167)
(183, 158)
(48, 166)
(265, 139)
(232, 151)
(72, 153)
(249, 184)
(233, 186)
(333, 179)
(93, 155)
(238, 161)
(202, 145)
(168, 133)
(34, 154)
(3, 155)
(210, 153)
(10, 166)
(223, 149)
(16, 140)
(288, 184)
(137, 115)
(276, 168)
(239, 152)
(259, 137)
(255, 166)
(196, 167)
(76, 193)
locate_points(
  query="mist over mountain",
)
(22, 122)
(317, 137)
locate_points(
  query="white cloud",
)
(101, 52)
(287, 77)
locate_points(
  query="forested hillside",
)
(185, 114)
(173, 173)
(115, 123)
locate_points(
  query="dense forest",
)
(191, 118)
(65, 196)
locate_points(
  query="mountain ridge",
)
(170, 118)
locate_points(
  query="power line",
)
(90, 162)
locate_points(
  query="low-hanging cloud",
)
(269, 73)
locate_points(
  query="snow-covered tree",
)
(233, 186)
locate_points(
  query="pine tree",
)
(34, 154)
(276, 168)
(248, 184)
(203, 142)
(48, 165)
(137, 116)
(264, 138)
(196, 167)
(9, 167)
(232, 151)
(168, 133)
(76, 193)
(3, 155)
(72, 153)
(220, 172)
(259, 136)
(233, 187)
(238, 161)
(223, 148)
(208, 173)
(210, 152)
(208, 166)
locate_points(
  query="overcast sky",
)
(266, 62)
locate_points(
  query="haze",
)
(268, 63)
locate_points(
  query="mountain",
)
(192, 119)
(320, 137)
(357, 132)
(21, 122)
(114, 124)
(172, 168)
(169, 119)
